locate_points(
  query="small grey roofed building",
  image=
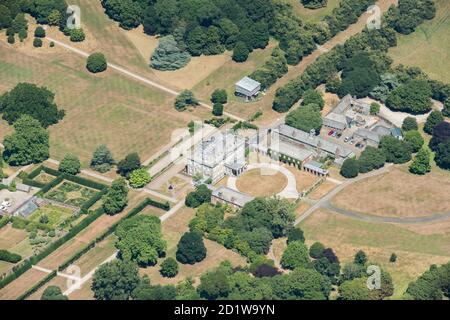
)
(315, 166)
(367, 135)
(248, 87)
(230, 196)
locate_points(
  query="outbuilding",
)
(248, 88)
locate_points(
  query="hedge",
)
(52, 172)
(33, 174)
(37, 286)
(4, 221)
(50, 185)
(32, 183)
(90, 202)
(85, 182)
(52, 247)
(164, 206)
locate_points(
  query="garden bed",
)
(71, 194)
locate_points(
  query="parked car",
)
(359, 145)
(346, 139)
(331, 132)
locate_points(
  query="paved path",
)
(289, 192)
(137, 77)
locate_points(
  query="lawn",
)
(417, 246)
(255, 184)
(56, 215)
(99, 108)
(315, 15)
(398, 193)
(429, 46)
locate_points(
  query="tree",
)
(295, 255)
(414, 139)
(305, 284)
(130, 163)
(305, 118)
(140, 240)
(393, 258)
(184, 99)
(410, 123)
(442, 157)
(27, 98)
(295, 234)
(70, 164)
(96, 62)
(371, 159)
(217, 109)
(396, 151)
(126, 12)
(441, 134)
(312, 96)
(201, 195)
(168, 56)
(139, 178)
(145, 291)
(37, 43)
(28, 144)
(352, 271)
(11, 39)
(433, 120)
(314, 4)
(53, 293)
(5, 17)
(413, 97)
(77, 35)
(360, 258)
(259, 239)
(116, 199)
(23, 34)
(214, 285)
(115, 280)
(54, 18)
(316, 250)
(240, 52)
(333, 84)
(421, 164)
(219, 96)
(350, 168)
(191, 248)
(355, 289)
(39, 32)
(374, 108)
(102, 159)
(446, 110)
(169, 268)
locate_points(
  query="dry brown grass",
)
(99, 108)
(302, 207)
(398, 193)
(257, 185)
(57, 281)
(84, 293)
(10, 237)
(322, 190)
(304, 180)
(416, 251)
(21, 284)
(216, 253)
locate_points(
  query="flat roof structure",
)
(248, 84)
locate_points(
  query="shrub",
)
(414, 139)
(130, 163)
(219, 96)
(201, 195)
(184, 99)
(295, 234)
(410, 123)
(393, 258)
(217, 109)
(37, 43)
(169, 268)
(139, 178)
(96, 62)
(191, 248)
(77, 35)
(53, 293)
(433, 120)
(39, 32)
(374, 108)
(168, 56)
(360, 258)
(11, 39)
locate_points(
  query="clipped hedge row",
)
(32, 183)
(33, 174)
(164, 206)
(51, 185)
(90, 202)
(85, 182)
(4, 221)
(52, 247)
(37, 286)
(52, 172)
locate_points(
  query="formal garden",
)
(71, 194)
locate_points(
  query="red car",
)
(331, 132)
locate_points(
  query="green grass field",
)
(313, 15)
(429, 46)
(55, 214)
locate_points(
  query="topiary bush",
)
(191, 248)
(39, 32)
(37, 43)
